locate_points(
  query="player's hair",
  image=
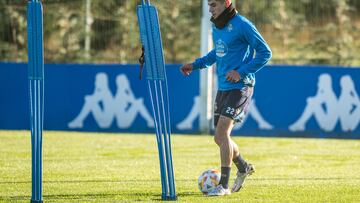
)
(227, 2)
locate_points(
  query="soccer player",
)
(236, 41)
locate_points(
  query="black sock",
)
(240, 164)
(225, 175)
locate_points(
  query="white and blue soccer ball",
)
(209, 180)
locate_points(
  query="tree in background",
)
(63, 31)
(333, 36)
(299, 32)
(180, 23)
(13, 32)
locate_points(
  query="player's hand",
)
(233, 76)
(186, 69)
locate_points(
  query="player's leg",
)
(223, 127)
(244, 169)
(223, 140)
(242, 101)
(230, 106)
(238, 160)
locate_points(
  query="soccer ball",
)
(208, 180)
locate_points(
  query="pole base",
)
(36, 201)
(169, 198)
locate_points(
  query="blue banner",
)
(288, 101)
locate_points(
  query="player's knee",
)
(217, 140)
(221, 131)
(220, 137)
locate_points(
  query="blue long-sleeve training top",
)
(238, 46)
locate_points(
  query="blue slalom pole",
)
(158, 89)
(36, 93)
(159, 138)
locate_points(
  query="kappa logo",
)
(123, 107)
(328, 109)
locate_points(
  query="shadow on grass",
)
(132, 196)
(100, 197)
(126, 197)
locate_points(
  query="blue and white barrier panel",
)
(288, 101)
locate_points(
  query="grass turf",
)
(94, 167)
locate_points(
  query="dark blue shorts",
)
(233, 104)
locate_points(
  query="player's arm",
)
(257, 42)
(200, 63)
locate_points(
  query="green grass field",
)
(92, 167)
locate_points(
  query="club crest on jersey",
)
(230, 27)
(221, 48)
